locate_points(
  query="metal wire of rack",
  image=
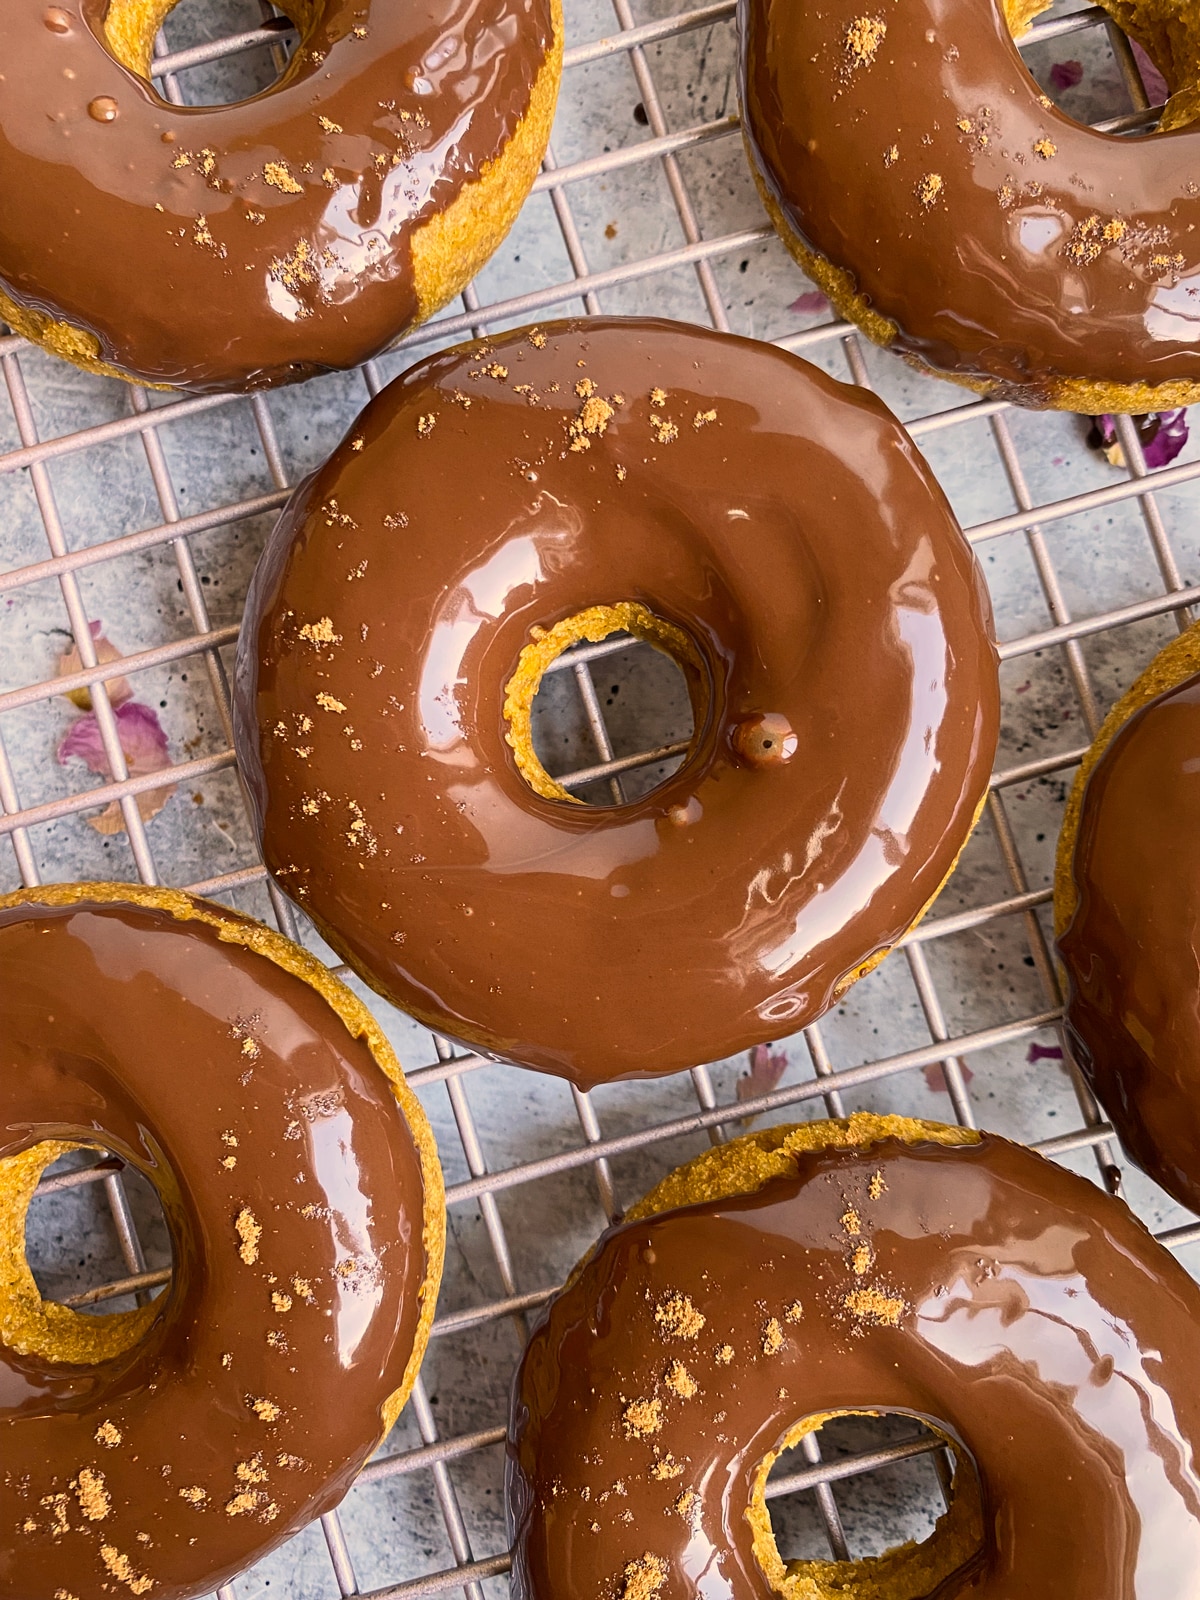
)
(1018, 905)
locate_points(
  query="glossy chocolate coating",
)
(982, 237)
(1040, 1325)
(151, 1037)
(1132, 949)
(282, 245)
(801, 543)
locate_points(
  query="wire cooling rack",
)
(152, 508)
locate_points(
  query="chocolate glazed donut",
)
(922, 179)
(1127, 910)
(873, 1266)
(773, 530)
(236, 246)
(160, 1451)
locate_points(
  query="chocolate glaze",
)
(282, 245)
(982, 237)
(1133, 946)
(801, 543)
(122, 1027)
(1041, 1326)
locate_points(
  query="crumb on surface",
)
(194, 1495)
(680, 1381)
(891, 155)
(725, 1354)
(862, 1260)
(266, 1410)
(643, 1578)
(108, 1434)
(794, 1312)
(703, 417)
(277, 175)
(877, 1186)
(642, 1418)
(687, 1505)
(123, 1570)
(1045, 148)
(874, 1307)
(281, 1302)
(851, 1222)
(929, 188)
(772, 1339)
(666, 1468)
(320, 632)
(94, 1499)
(862, 39)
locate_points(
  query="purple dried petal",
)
(1156, 84)
(765, 1072)
(1043, 1052)
(1168, 439)
(145, 748)
(1066, 74)
(810, 304)
(935, 1077)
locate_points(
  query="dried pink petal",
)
(810, 304)
(765, 1072)
(1168, 439)
(144, 745)
(1066, 74)
(118, 688)
(1156, 84)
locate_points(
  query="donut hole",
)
(604, 715)
(132, 28)
(910, 1523)
(85, 1252)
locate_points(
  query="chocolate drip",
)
(780, 521)
(293, 1193)
(1030, 1316)
(1132, 950)
(241, 245)
(906, 143)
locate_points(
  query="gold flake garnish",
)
(426, 424)
(320, 632)
(891, 155)
(875, 1307)
(680, 1380)
(772, 1339)
(658, 397)
(537, 338)
(677, 1317)
(794, 1312)
(281, 1302)
(929, 188)
(328, 703)
(277, 175)
(94, 1499)
(862, 1260)
(265, 1410)
(122, 1569)
(251, 1049)
(108, 1434)
(851, 1222)
(585, 388)
(863, 38)
(665, 431)
(249, 1231)
(303, 1288)
(251, 1471)
(725, 1354)
(1045, 148)
(687, 1505)
(642, 1418)
(666, 1468)
(877, 1186)
(590, 422)
(702, 418)
(329, 126)
(194, 1495)
(229, 1162)
(643, 1578)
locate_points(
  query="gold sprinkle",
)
(251, 1471)
(929, 188)
(108, 1434)
(592, 420)
(243, 1502)
(328, 703)
(122, 1569)
(794, 1312)
(277, 175)
(622, 474)
(666, 1469)
(227, 1360)
(772, 1339)
(877, 1186)
(873, 1306)
(862, 1260)
(863, 38)
(329, 126)
(250, 1049)
(303, 1288)
(320, 632)
(585, 388)
(891, 155)
(658, 397)
(681, 1381)
(281, 1302)
(56, 1505)
(249, 1231)
(1045, 148)
(725, 1354)
(965, 124)
(678, 1317)
(426, 424)
(230, 1139)
(642, 1418)
(643, 1578)
(266, 1410)
(852, 1222)
(688, 1505)
(194, 1495)
(496, 371)
(703, 417)
(229, 1162)
(665, 431)
(537, 339)
(294, 1463)
(59, 1594)
(93, 1497)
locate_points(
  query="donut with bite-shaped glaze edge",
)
(158, 1452)
(919, 175)
(772, 530)
(876, 1265)
(238, 246)
(1127, 914)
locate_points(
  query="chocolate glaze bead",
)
(945, 205)
(771, 529)
(299, 230)
(160, 1451)
(876, 1265)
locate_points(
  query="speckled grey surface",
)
(983, 977)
